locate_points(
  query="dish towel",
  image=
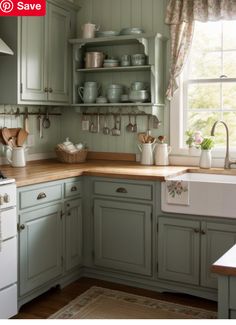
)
(177, 192)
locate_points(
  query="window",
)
(209, 81)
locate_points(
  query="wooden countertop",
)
(226, 265)
(51, 170)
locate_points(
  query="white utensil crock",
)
(16, 156)
(147, 153)
(162, 154)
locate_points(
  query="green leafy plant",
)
(207, 143)
(190, 138)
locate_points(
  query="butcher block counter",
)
(51, 170)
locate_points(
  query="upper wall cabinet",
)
(38, 73)
(152, 72)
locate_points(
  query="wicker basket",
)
(70, 158)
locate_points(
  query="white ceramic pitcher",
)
(89, 30)
(16, 156)
(162, 154)
(147, 153)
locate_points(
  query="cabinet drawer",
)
(8, 263)
(41, 195)
(8, 223)
(8, 302)
(72, 189)
(123, 189)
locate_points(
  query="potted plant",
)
(206, 145)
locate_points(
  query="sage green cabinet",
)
(187, 248)
(38, 72)
(123, 236)
(44, 67)
(33, 65)
(50, 234)
(74, 233)
(40, 239)
(179, 250)
(216, 240)
(57, 38)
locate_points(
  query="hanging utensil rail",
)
(36, 113)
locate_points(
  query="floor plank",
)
(53, 300)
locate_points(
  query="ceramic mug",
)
(125, 60)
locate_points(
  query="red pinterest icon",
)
(22, 7)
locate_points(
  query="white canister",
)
(162, 154)
(89, 30)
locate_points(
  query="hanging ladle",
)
(46, 121)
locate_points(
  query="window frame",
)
(178, 115)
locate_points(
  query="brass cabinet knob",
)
(196, 230)
(46, 90)
(22, 227)
(50, 90)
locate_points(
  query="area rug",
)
(101, 303)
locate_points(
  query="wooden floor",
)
(53, 300)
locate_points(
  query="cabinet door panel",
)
(178, 250)
(59, 21)
(218, 239)
(73, 234)
(40, 247)
(33, 65)
(123, 236)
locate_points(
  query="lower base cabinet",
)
(123, 236)
(178, 250)
(73, 227)
(40, 246)
(188, 248)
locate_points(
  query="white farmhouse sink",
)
(208, 195)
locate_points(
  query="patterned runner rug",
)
(101, 303)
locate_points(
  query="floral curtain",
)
(180, 16)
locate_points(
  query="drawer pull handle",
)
(121, 190)
(73, 189)
(41, 196)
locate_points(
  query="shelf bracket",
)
(144, 42)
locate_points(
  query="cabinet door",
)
(33, 65)
(58, 27)
(73, 233)
(123, 236)
(40, 247)
(178, 250)
(216, 240)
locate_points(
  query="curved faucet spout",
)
(228, 162)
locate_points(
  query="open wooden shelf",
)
(112, 69)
